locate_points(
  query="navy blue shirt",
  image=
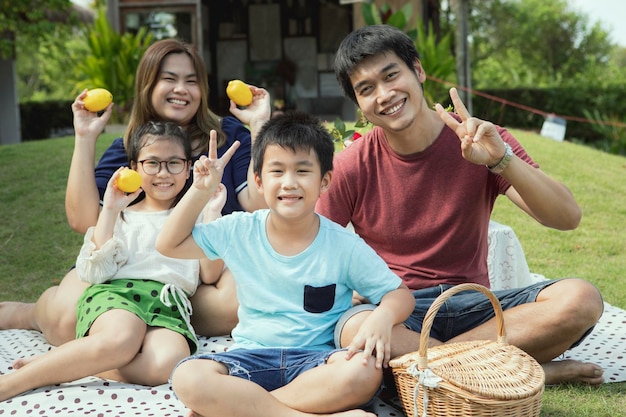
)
(235, 176)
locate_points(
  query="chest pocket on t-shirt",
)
(319, 299)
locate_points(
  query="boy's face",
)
(389, 93)
(291, 182)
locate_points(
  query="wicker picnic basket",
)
(476, 378)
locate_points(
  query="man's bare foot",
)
(572, 372)
(14, 315)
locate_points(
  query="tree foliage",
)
(112, 61)
(534, 43)
(62, 63)
(33, 19)
(46, 69)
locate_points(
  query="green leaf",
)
(371, 15)
(398, 20)
(348, 134)
(340, 125)
(407, 11)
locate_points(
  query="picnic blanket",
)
(97, 397)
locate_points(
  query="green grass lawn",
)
(37, 246)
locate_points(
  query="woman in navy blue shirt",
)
(171, 85)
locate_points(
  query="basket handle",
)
(434, 308)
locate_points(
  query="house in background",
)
(285, 46)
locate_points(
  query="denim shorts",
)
(270, 368)
(460, 313)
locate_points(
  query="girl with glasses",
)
(171, 85)
(134, 317)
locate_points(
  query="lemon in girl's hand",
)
(97, 99)
(239, 92)
(128, 180)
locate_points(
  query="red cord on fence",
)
(505, 102)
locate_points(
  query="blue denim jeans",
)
(466, 310)
(460, 313)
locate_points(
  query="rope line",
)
(506, 102)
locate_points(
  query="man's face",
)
(389, 93)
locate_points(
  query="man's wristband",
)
(504, 162)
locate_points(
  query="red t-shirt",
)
(427, 214)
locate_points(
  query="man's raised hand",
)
(480, 141)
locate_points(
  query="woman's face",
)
(176, 95)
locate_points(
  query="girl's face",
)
(161, 188)
(176, 95)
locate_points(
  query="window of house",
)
(162, 23)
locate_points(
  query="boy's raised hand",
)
(481, 142)
(208, 171)
(213, 209)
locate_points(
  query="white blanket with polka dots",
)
(92, 396)
(101, 398)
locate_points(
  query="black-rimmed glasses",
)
(174, 166)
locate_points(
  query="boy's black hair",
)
(370, 41)
(297, 131)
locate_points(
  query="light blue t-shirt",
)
(293, 301)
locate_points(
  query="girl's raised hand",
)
(208, 171)
(480, 141)
(116, 199)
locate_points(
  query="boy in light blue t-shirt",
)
(295, 273)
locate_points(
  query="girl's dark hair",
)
(370, 41)
(297, 131)
(147, 76)
(155, 131)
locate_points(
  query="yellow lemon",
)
(239, 92)
(128, 181)
(97, 99)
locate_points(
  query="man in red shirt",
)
(420, 189)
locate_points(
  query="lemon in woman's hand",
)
(128, 180)
(239, 92)
(97, 99)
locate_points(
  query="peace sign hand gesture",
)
(208, 171)
(480, 141)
